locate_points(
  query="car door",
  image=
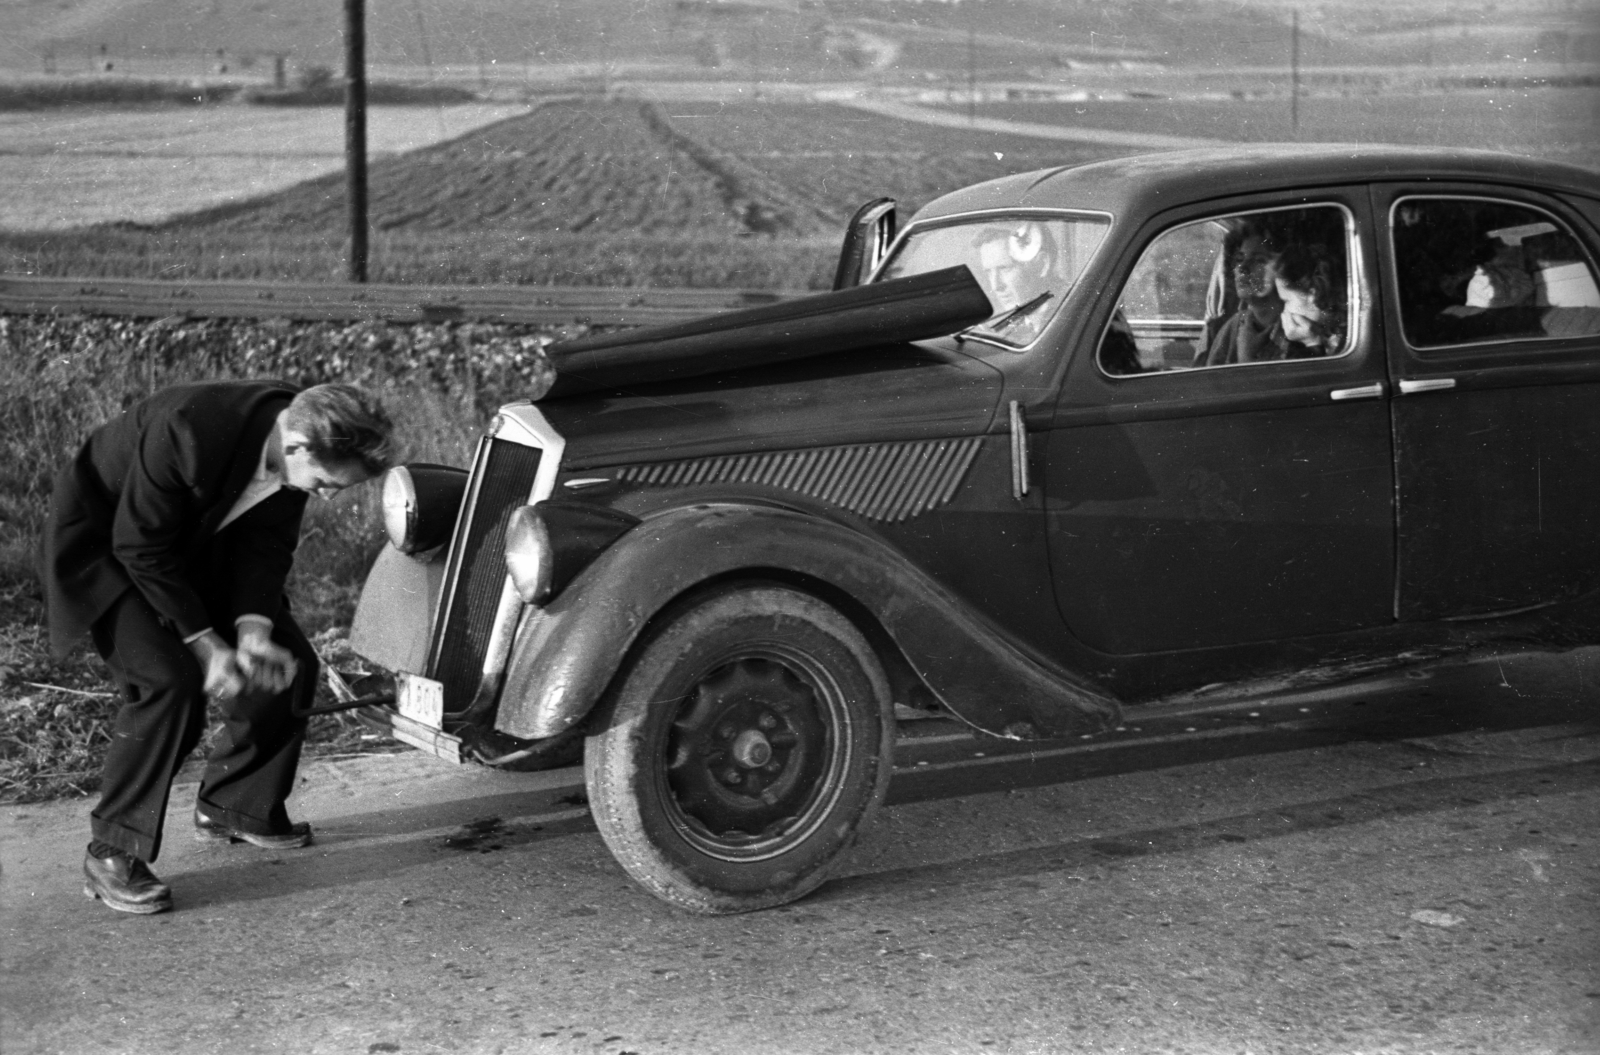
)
(1494, 322)
(1206, 483)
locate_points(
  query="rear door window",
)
(1478, 270)
(1248, 288)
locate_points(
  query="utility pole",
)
(355, 133)
(1294, 73)
(972, 72)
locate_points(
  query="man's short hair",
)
(343, 424)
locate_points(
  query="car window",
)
(1473, 270)
(1026, 264)
(1246, 288)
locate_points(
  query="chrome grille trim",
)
(482, 617)
(464, 644)
(879, 481)
(445, 604)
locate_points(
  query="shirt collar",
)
(264, 474)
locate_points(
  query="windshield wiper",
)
(1004, 321)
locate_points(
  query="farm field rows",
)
(627, 192)
(623, 192)
(640, 167)
(825, 160)
(1554, 123)
(67, 168)
(563, 167)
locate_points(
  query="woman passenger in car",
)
(1252, 333)
(1311, 285)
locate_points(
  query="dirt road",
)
(1322, 880)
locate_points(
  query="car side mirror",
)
(866, 242)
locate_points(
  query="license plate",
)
(421, 699)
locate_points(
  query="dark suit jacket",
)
(138, 508)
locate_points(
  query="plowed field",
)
(818, 160)
(564, 167)
(630, 192)
(644, 168)
(72, 166)
(607, 193)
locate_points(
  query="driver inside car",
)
(1016, 269)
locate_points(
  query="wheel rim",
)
(755, 755)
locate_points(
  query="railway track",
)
(308, 301)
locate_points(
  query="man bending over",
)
(170, 537)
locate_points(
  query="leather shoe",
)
(125, 883)
(292, 838)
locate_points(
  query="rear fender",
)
(566, 654)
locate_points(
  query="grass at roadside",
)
(56, 716)
(59, 378)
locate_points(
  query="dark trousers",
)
(251, 770)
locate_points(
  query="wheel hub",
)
(748, 750)
(752, 750)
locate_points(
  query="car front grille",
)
(502, 479)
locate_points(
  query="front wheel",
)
(748, 741)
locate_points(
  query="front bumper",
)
(387, 720)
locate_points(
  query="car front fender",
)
(566, 654)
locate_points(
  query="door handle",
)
(1019, 451)
(1426, 384)
(1372, 391)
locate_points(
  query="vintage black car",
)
(1072, 443)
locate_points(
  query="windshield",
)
(1026, 265)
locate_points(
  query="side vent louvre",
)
(879, 481)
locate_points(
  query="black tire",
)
(749, 739)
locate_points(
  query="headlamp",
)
(420, 505)
(548, 544)
(529, 556)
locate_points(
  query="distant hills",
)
(784, 39)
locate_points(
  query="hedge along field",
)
(466, 258)
(592, 192)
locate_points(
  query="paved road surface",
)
(1406, 866)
